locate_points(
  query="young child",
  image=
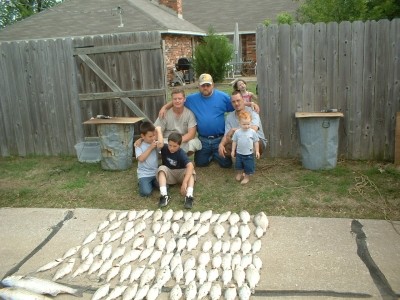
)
(147, 156)
(176, 168)
(244, 141)
(248, 97)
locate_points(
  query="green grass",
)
(354, 189)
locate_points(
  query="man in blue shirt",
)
(209, 106)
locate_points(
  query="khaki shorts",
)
(174, 176)
(191, 146)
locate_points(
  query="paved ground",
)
(303, 258)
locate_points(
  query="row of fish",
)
(171, 236)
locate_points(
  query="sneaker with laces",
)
(164, 200)
(188, 202)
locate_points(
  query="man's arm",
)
(189, 135)
(164, 109)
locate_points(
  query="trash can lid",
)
(301, 114)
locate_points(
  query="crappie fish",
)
(20, 294)
(39, 286)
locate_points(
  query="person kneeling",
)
(176, 168)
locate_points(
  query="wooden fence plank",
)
(320, 60)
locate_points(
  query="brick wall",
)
(176, 5)
(249, 53)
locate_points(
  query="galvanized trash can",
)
(319, 139)
(116, 141)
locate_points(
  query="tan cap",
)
(205, 78)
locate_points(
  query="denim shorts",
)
(246, 163)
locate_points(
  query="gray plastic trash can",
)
(319, 139)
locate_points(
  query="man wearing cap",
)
(209, 106)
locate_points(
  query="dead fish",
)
(85, 265)
(217, 246)
(39, 286)
(212, 275)
(166, 259)
(252, 277)
(155, 256)
(163, 276)
(233, 231)
(190, 263)
(101, 292)
(89, 238)
(84, 252)
(170, 246)
(118, 253)
(187, 215)
(244, 292)
(64, 269)
(107, 265)
(132, 255)
(186, 227)
(203, 258)
(155, 228)
(175, 227)
(223, 217)
(244, 231)
(246, 247)
(147, 276)
(226, 261)
(122, 215)
(128, 226)
(96, 265)
(177, 273)
(203, 230)
(157, 215)
(257, 262)
(165, 227)
(261, 220)
(218, 230)
(116, 292)
(201, 274)
(136, 273)
(236, 244)
(204, 289)
(151, 240)
(20, 294)
(256, 247)
(216, 261)
(205, 216)
(153, 292)
(161, 243)
(132, 215)
(226, 246)
(114, 225)
(71, 251)
(140, 226)
(168, 215)
(214, 218)
(206, 246)
(125, 273)
(239, 275)
(147, 215)
(176, 292)
(116, 236)
(181, 244)
(259, 232)
(106, 252)
(177, 215)
(191, 291)
(50, 265)
(190, 276)
(195, 228)
(141, 213)
(244, 216)
(138, 242)
(226, 276)
(127, 236)
(215, 291)
(230, 293)
(246, 261)
(192, 242)
(196, 215)
(236, 260)
(142, 292)
(97, 250)
(176, 259)
(130, 292)
(233, 218)
(105, 237)
(112, 272)
(103, 225)
(112, 216)
(146, 253)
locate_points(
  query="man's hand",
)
(138, 142)
(255, 107)
(221, 150)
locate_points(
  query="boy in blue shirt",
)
(176, 168)
(147, 156)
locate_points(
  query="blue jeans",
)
(208, 152)
(146, 185)
(246, 163)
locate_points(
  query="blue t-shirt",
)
(210, 111)
(148, 167)
(177, 160)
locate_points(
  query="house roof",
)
(93, 17)
(223, 14)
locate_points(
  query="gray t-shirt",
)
(147, 168)
(180, 124)
(245, 140)
(232, 121)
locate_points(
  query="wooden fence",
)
(353, 67)
(50, 87)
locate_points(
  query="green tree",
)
(314, 11)
(12, 11)
(212, 55)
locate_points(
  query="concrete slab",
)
(302, 257)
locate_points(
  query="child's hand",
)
(258, 155)
(233, 153)
(183, 188)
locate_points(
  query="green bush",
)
(213, 55)
(284, 18)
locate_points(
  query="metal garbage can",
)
(319, 139)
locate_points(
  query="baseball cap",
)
(205, 78)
